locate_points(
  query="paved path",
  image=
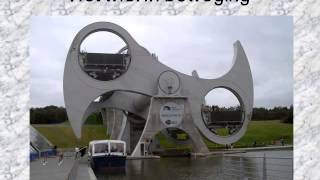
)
(265, 148)
(50, 171)
(243, 150)
(84, 172)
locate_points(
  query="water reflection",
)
(168, 168)
(208, 168)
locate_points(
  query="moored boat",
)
(107, 154)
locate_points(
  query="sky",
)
(183, 43)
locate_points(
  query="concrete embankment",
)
(286, 147)
(81, 171)
(142, 157)
(243, 150)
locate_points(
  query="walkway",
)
(50, 171)
(84, 172)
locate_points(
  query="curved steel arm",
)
(142, 78)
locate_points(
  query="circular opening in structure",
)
(222, 112)
(169, 142)
(94, 118)
(104, 56)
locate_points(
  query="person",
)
(77, 152)
(282, 141)
(254, 143)
(60, 156)
(149, 147)
(45, 158)
(114, 148)
(54, 150)
(83, 151)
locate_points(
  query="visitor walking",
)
(60, 157)
(45, 158)
(77, 152)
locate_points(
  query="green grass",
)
(263, 132)
(182, 136)
(167, 144)
(222, 131)
(63, 136)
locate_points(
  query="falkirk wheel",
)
(133, 81)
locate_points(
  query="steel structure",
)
(159, 94)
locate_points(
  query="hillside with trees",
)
(54, 114)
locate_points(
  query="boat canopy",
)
(107, 147)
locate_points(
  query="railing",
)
(69, 153)
(264, 168)
(73, 174)
(74, 170)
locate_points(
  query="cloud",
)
(204, 44)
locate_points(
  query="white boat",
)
(107, 154)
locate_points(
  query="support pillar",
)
(167, 112)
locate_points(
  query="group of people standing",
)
(52, 152)
(60, 154)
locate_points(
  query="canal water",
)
(278, 165)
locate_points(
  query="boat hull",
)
(108, 162)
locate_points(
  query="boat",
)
(107, 154)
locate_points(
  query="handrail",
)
(260, 157)
(241, 165)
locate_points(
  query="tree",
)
(48, 115)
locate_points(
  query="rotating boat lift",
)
(160, 95)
